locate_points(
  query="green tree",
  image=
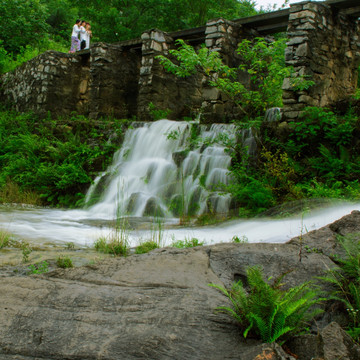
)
(22, 23)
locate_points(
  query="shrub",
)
(26, 251)
(64, 262)
(187, 243)
(39, 268)
(116, 243)
(5, 238)
(266, 311)
(146, 247)
(51, 162)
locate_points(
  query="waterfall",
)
(157, 172)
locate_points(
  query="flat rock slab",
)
(151, 306)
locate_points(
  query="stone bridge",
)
(121, 79)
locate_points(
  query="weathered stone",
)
(159, 305)
(332, 343)
(302, 50)
(211, 29)
(306, 26)
(297, 40)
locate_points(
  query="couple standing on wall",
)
(83, 29)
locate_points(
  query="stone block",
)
(215, 35)
(301, 15)
(145, 36)
(155, 46)
(296, 8)
(311, 6)
(291, 114)
(209, 42)
(287, 84)
(211, 93)
(211, 29)
(302, 50)
(297, 40)
(289, 101)
(306, 26)
(158, 36)
(221, 28)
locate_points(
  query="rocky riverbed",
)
(159, 305)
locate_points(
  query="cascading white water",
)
(155, 173)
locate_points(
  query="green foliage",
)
(158, 114)
(39, 268)
(187, 243)
(70, 246)
(263, 61)
(240, 240)
(5, 239)
(64, 262)
(146, 247)
(54, 159)
(22, 23)
(268, 312)
(117, 241)
(346, 280)
(26, 250)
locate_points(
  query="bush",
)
(50, 162)
(146, 247)
(64, 262)
(116, 243)
(187, 243)
(39, 268)
(268, 312)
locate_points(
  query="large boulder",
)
(157, 305)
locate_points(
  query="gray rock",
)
(157, 305)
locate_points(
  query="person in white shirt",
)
(82, 35)
(88, 35)
(75, 42)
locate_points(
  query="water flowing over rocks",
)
(159, 305)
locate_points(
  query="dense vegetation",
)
(51, 162)
(29, 27)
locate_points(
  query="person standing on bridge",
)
(85, 36)
(75, 41)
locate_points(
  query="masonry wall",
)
(113, 82)
(164, 90)
(48, 82)
(121, 80)
(324, 47)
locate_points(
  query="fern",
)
(346, 281)
(267, 311)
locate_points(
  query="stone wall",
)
(122, 79)
(48, 82)
(324, 47)
(164, 90)
(113, 82)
